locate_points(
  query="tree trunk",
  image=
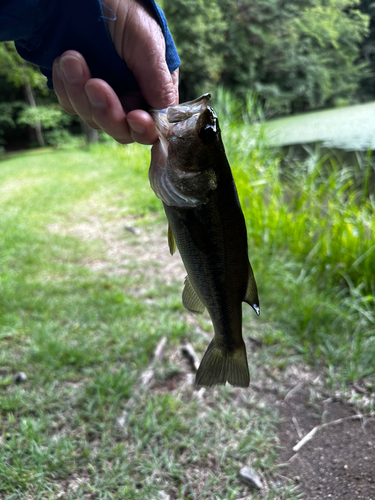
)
(30, 99)
(91, 134)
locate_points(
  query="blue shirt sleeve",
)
(44, 29)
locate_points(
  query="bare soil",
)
(339, 461)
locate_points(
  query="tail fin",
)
(219, 366)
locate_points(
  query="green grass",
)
(81, 426)
(311, 229)
(83, 336)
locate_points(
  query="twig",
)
(339, 420)
(146, 379)
(147, 376)
(313, 431)
(292, 457)
(188, 351)
(359, 389)
(286, 464)
(298, 428)
(305, 439)
(282, 476)
(159, 350)
(292, 391)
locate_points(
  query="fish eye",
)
(207, 134)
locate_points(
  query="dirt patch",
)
(339, 461)
(131, 247)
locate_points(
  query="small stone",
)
(20, 378)
(163, 496)
(326, 416)
(134, 230)
(250, 477)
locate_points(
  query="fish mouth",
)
(183, 111)
(180, 119)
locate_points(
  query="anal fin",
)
(251, 296)
(190, 299)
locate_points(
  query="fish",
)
(190, 174)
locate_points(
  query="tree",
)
(326, 40)
(39, 111)
(297, 54)
(198, 29)
(367, 89)
(25, 75)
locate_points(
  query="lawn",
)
(88, 290)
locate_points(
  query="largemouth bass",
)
(190, 173)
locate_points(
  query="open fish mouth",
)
(188, 109)
(183, 111)
(184, 118)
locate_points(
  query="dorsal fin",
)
(251, 296)
(171, 241)
(190, 299)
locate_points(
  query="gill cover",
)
(178, 173)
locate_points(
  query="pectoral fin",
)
(251, 296)
(190, 299)
(171, 241)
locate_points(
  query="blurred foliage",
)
(368, 51)
(52, 119)
(49, 116)
(7, 113)
(198, 27)
(297, 55)
(17, 71)
(20, 82)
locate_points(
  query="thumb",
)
(139, 40)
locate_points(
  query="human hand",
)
(138, 40)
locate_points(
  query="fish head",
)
(183, 161)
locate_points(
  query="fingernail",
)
(97, 98)
(71, 69)
(137, 127)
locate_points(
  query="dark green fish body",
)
(191, 174)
